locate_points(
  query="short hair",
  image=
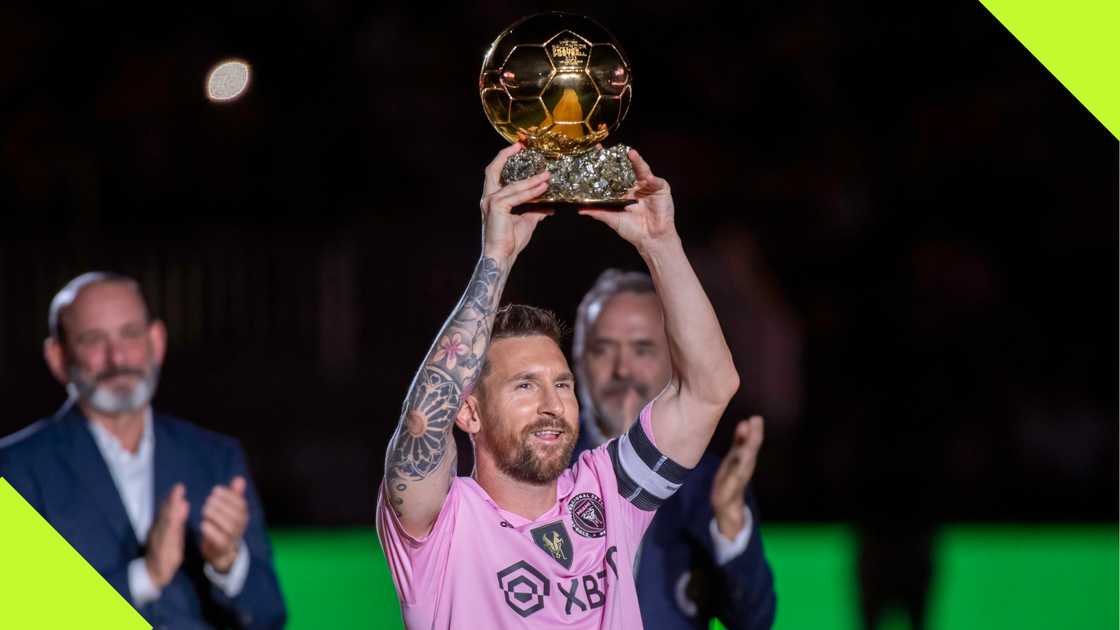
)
(66, 296)
(522, 320)
(609, 284)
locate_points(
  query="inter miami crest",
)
(553, 538)
(588, 517)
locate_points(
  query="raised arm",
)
(704, 377)
(420, 461)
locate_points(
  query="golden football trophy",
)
(560, 84)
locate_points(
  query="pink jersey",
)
(484, 567)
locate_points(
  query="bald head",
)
(66, 297)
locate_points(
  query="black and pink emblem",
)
(588, 517)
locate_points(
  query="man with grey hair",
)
(95, 471)
(702, 557)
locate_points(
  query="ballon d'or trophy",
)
(560, 84)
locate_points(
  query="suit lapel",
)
(83, 456)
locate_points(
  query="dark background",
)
(908, 226)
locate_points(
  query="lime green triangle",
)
(1079, 43)
(44, 583)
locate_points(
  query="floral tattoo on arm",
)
(423, 439)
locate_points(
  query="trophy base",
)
(568, 205)
(599, 178)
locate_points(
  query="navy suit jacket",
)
(56, 466)
(679, 583)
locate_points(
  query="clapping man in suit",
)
(162, 509)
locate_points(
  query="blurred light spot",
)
(228, 80)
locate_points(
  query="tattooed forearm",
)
(423, 440)
(429, 414)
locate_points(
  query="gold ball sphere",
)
(557, 82)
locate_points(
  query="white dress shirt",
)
(134, 476)
(727, 550)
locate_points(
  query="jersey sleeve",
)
(644, 478)
(416, 563)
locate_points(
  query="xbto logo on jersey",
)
(588, 517)
(526, 588)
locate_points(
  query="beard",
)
(114, 400)
(515, 456)
(613, 412)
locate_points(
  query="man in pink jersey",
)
(528, 541)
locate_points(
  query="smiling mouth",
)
(548, 435)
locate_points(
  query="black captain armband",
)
(646, 478)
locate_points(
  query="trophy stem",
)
(599, 178)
